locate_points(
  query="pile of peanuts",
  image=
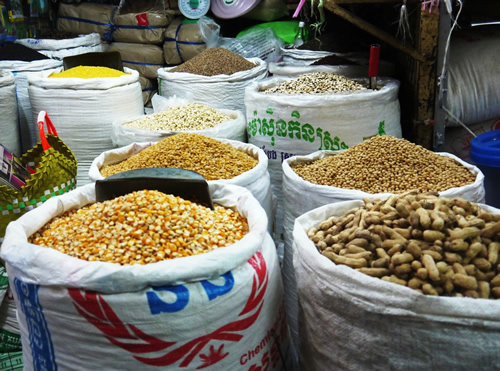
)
(316, 83)
(435, 245)
(140, 228)
(191, 116)
(207, 156)
(386, 164)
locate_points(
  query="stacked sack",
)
(183, 41)
(135, 30)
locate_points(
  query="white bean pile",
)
(191, 116)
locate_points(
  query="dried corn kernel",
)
(89, 72)
(140, 228)
(207, 156)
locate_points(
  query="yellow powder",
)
(89, 72)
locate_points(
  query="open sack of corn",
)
(408, 281)
(147, 281)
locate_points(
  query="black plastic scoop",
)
(96, 59)
(186, 184)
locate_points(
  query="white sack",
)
(219, 91)
(303, 56)
(234, 129)
(256, 180)
(58, 49)
(83, 110)
(285, 125)
(221, 309)
(473, 93)
(356, 322)
(8, 112)
(296, 203)
(28, 128)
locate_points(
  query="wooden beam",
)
(332, 6)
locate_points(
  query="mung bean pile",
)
(215, 61)
(191, 116)
(141, 227)
(207, 156)
(435, 245)
(89, 72)
(316, 83)
(386, 164)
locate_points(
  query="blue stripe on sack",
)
(139, 27)
(42, 349)
(85, 21)
(148, 89)
(177, 44)
(168, 39)
(143, 64)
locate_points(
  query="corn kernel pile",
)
(89, 72)
(141, 227)
(386, 164)
(207, 156)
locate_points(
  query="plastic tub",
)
(485, 153)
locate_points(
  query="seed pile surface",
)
(386, 164)
(316, 83)
(215, 61)
(140, 228)
(89, 72)
(435, 245)
(192, 116)
(207, 156)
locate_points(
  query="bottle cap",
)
(301, 24)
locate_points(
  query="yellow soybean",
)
(89, 72)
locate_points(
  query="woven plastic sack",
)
(55, 174)
(183, 41)
(8, 112)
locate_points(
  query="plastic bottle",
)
(299, 37)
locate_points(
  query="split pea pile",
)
(215, 61)
(207, 156)
(386, 164)
(316, 83)
(435, 245)
(89, 72)
(192, 116)
(140, 228)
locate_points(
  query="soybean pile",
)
(316, 83)
(207, 156)
(88, 72)
(191, 116)
(386, 164)
(215, 61)
(141, 227)
(435, 245)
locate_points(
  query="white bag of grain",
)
(219, 91)
(8, 113)
(58, 49)
(285, 125)
(83, 110)
(356, 322)
(256, 180)
(319, 195)
(148, 316)
(234, 129)
(26, 117)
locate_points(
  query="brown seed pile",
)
(140, 228)
(386, 164)
(207, 156)
(215, 61)
(435, 245)
(316, 83)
